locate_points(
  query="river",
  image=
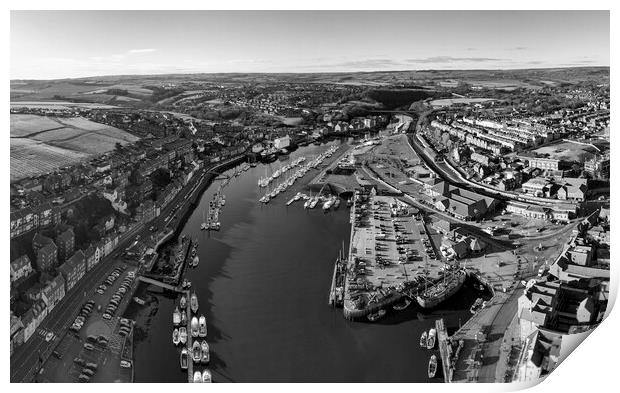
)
(263, 284)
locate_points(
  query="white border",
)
(593, 365)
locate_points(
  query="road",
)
(25, 359)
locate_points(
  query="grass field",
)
(43, 144)
(568, 151)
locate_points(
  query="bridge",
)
(160, 284)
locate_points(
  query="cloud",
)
(138, 51)
(520, 48)
(449, 59)
(367, 63)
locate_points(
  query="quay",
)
(445, 349)
(385, 261)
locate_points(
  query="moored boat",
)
(184, 359)
(176, 339)
(196, 352)
(432, 336)
(194, 327)
(376, 316)
(197, 377)
(202, 326)
(403, 305)
(183, 318)
(206, 376)
(193, 302)
(442, 290)
(423, 339)
(205, 351)
(183, 335)
(183, 302)
(432, 366)
(476, 306)
(176, 317)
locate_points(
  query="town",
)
(447, 176)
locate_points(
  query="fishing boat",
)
(183, 302)
(313, 202)
(194, 327)
(184, 358)
(423, 339)
(205, 351)
(376, 316)
(206, 376)
(432, 336)
(401, 306)
(196, 352)
(432, 366)
(193, 302)
(202, 326)
(197, 377)
(183, 334)
(176, 317)
(176, 339)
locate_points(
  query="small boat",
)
(196, 352)
(349, 202)
(197, 377)
(176, 317)
(139, 301)
(184, 358)
(183, 318)
(476, 306)
(202, 326)
(430, 341)
(423, 339)
(206, 376)
(432, 366)
(183, 335)
(193, 302)
(401, 306)
(176, 339)
(205, 351)
(376, 316)
(194, 327)
(183, 302)
(195, 261)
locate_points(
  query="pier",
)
(190, 362)
(444, 349)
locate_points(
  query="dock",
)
(190, 363)
(444, 350)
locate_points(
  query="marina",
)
(243, 292)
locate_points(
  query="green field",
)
(41, 144)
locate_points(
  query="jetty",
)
(444, 349)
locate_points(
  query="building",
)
(539, 356)
(66, 243)
(93, 256)
(538, 187)
(20, 268)
(598, 167)
(543, 163)
(17, 332)
(73, 269)
(47, 257)
(282, 142)
(53, 292)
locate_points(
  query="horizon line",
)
(310, 72)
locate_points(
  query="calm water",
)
(263, 284)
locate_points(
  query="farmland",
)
(42, 144)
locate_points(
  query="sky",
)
(70, 44)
